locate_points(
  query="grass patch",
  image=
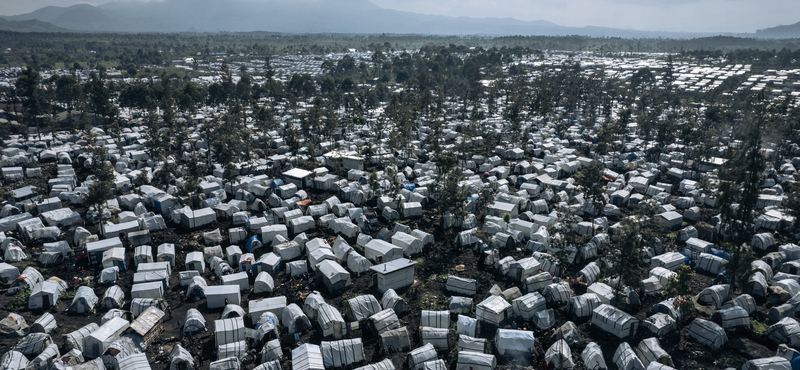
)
(20, 302)
(69, 294)
(758, 327)
(730, 358)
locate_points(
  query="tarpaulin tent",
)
(435, 336)
(493, 310)
(180, 359)
(475, 361)
(74, 340)
(391, 300)
(342, 353)
(514, 342)
(435, 319)
(614, 321)
(471, 344)
(384, 321)
(583, 305)
(294, 319)
(396, 339)
(307, 357)
(527, 306)
(330, 321)
(649, 350)
(626, 359)
(786, 331)
(659, 324)
(559, 355)
(362, 307)
(44, 324)
(84, 301)
(420, 355)
(708, 333)
(194, 322)
(592, 357)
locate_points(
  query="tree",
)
(678, 288)
(33, 100)
(738, 193)
(449, 194)
(101, 187)
(625, 258)
(100, 98)
(589, 181)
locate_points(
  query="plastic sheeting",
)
(559, 355)
(342, 353)
(592, 357)
(708, 334)
(514, 342)
(362, 307)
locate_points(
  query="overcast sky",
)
(649, 15)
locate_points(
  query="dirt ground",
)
(428, 293)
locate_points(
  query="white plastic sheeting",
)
(708, 334)
(559, 355)
(514, 342)
(614, 321)
(342, 353)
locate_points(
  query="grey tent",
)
(362, 307)
(342, 353)
(391, 300)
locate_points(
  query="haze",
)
(646, 15)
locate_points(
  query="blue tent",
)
(250, 241)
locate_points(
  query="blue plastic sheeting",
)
(409, 186)
(250, 241)
(275, 183)
(721, 254)
(795, 361)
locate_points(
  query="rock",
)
(778, 295)
(511, 293)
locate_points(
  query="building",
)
(396, 274)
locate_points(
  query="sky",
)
(646, 15)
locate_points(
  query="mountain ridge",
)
(317, 16)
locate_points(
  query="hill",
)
(297, 16)
(29, 26)
(780, 32)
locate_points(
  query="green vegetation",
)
(20, 302)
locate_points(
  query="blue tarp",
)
(409, 186)
(250, 241)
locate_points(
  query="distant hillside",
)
(29, 26)
(781, 32)
(298, 16)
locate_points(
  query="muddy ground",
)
(428, 293)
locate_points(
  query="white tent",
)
(514, 342)
(381, 252)
(391, 300)
(614, 321)
(342, 353)
(396, 339)
(475, 361)
(84, 301)
(45, 294)
(714, 295)
(559, 355)
(263, 283)
(527, 306)
(592, 357)
(708, 334)
(465, 286)
(626, 359)
(659, 324)
(420, 355)
(731, 318)
(769, 363)
(649, 350)
(583, 305)
(409, 243)
(74, 340)
(786, 331)
(194, 322)
(330, 321)
(493, 310)
(307, 357)
(333, 275)
(362, 307)
(384, 321)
